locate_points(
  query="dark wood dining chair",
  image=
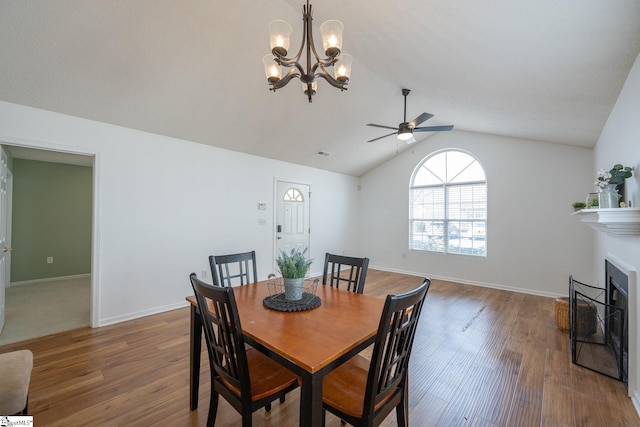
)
(247, 379)
(363, 392)
(353, 276)
(240, 268)
(232, 269)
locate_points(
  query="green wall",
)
(52, 205)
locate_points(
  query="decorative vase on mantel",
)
(608, 197)
(293, 288)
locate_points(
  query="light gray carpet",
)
(45, 308)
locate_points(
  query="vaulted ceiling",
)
(546, 70)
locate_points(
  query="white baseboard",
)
(143, 313)
(467, 282)
(49, 279)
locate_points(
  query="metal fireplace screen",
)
(594, 328)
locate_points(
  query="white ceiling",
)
(547, 70)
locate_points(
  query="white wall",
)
(620, 143)
(533, 241)
(165, 205)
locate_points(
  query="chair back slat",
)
(334, 272)
(233, 269)
(392, 348)
(223, 333)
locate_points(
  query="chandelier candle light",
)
(280, 39)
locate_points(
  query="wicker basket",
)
(562, 313)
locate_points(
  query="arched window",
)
(293, 195)
(448, 205)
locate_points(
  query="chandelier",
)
(280, 37)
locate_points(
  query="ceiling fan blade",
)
(421, 118)
(383, 136)
(381, 126)
(433, 128)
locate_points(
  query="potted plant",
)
(293, 268)
(615, 176)
(611, 184)
(578, 205)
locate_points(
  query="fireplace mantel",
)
(621, 221)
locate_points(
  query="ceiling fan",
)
(405, 129)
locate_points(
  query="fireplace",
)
(617, 327)
(599, 324)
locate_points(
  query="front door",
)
(292, 217)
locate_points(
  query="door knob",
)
(6, 249)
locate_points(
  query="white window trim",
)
(446, 250)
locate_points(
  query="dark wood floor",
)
(482, 357)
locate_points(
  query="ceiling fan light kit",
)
(405, 130)
(280, 41)
(405, 134)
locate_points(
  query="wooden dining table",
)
(310, 343)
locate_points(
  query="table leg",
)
(311, 400)
(195, 348)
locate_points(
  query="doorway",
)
(292, 217)
(52, 285)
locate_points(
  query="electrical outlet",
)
(205, 274)
(49, 260)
